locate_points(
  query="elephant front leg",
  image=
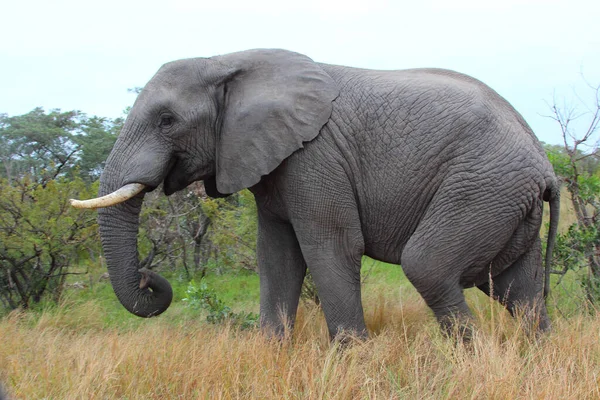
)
(334, 260)
(281, 270)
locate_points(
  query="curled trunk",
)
(142, 292)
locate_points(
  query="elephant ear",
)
(274, 102)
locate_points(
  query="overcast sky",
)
(85, 54)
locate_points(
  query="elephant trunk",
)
(142, 292)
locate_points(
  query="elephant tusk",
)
(111, 199)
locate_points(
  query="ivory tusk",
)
(111, 199)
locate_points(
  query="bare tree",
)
(579, 124)
(175, 229)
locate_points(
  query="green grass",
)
(240, 291)
(380, 273)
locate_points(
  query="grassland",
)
(89, 348)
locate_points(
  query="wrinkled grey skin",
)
(425, 168)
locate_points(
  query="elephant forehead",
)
(175, 69)
(190, 73)
(176, 93)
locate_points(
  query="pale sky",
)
(85, 54)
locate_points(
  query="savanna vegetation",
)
(64, 335)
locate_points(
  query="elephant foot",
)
(346, 338)
(458, 327)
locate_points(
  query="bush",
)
(41, 237)
(199, 296)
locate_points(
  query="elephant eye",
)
(166, 121)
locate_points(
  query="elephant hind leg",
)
(453, 243)
(520, 289)
(435, 272)
(441, 291)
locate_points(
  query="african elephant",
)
(426, 168)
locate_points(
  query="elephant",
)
(427, 168)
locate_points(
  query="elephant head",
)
(226, 120)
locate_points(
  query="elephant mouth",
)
(182, 173)
(175, 180)
(126, 192)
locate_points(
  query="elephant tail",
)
(552, 196)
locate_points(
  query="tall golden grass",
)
(69, 354)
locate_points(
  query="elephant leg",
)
(453, 242)
(334, 262)
(520, 288)
(281, 270)
(432, 265)
(443, 294)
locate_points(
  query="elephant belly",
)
(387, 229)
(384, 254)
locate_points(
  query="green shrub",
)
(200, 296)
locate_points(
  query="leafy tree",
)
(46, 158)
(95, 140)
(44, 145)
(41, 236)
(37, 144)
(233, 229)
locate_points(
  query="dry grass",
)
(69, 355)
